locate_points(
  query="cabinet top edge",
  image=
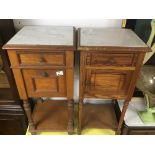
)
(38, 47)
(114, 49)
(46, 36)
(110, 38)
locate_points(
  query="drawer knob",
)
(42, 60)
(59, 73)
(45, 74)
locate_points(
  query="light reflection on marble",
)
(110, 37)
(43, 35)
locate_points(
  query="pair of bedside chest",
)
(42, 61)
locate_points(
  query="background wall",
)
(19, 23)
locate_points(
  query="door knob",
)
(45, 74)
(42, 59)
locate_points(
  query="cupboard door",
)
(107, 83)
(45, 83)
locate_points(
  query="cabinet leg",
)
(125, 106)
(80, 117)
(27, 109)
(70, 117)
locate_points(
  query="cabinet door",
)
(45, 83)
(110, 83)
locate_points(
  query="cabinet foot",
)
(27, 109)
(118, 132)
(33, 133)
(79, 131)
(70, 127)
(80, 117)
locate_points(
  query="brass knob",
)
(42, 59)
(45, 74)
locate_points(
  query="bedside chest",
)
(42, 62)
(110, 61)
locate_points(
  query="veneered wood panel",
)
(20, 83)
(43, 58)
(107, 82)
(13, 58)
(110, 59)
(45, 83)
(69, 73)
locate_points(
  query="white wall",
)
(19, 23)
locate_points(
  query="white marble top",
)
(109, 37)
(43, 35)
(131, 117)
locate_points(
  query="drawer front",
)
(45, 83)
(110, 59)
(107, 83)
(55, 59)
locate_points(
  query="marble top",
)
(109, 37)
(131, 117)
(43, 35)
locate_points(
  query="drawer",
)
(110, 59)
(41, 58)
(45, 83)
(107, 83)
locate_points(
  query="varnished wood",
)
(99, 116)
(43, 67)
(55, 59)
(44, 83)
(109, 67)
(38, 47)
(51, 116)
(20, 84)
(27, 109)
(70, 83)
(110, 59)
(70, 116)
(131, 89)
(12, 116)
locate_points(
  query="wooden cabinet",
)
(110, 60)
(12, 116)
(42, 63)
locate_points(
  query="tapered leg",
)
(80, 116)
(27, 109)
(125, 106)
(70, 117)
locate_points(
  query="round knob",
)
(45, 74)
(42, 59)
